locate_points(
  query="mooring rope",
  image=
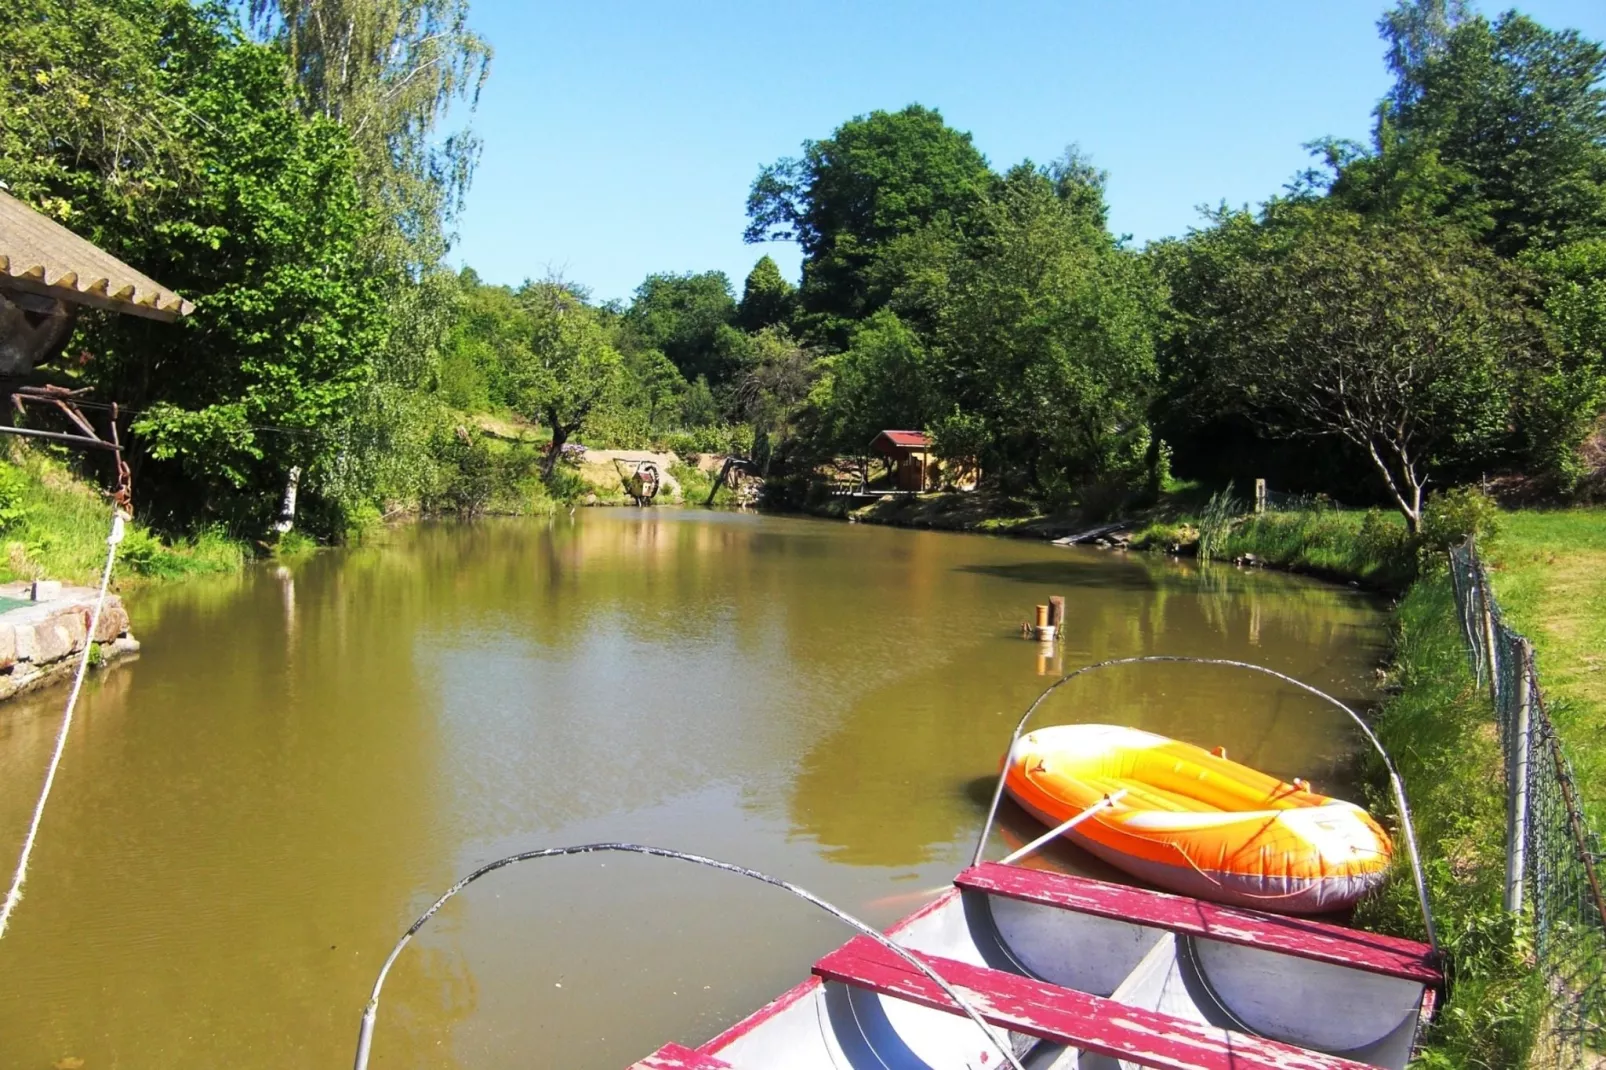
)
(365, 1033)
(14, 896)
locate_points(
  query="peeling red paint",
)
(1065, 1016)
(1298, 937)
(676, 1057)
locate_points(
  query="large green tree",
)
(885, 378)
(203, 177)
(1498, 126)
(768, 299)
(1047, 339)
(1563, 400)
(394, 74)
(567, 369)
(1405, 342)
(877, 177)
(686, 318)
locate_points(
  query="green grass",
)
(1549, 573)
(1369, 547)
(696, 483)
(55, 527)
(1438, 727)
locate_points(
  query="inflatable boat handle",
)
(1404, 808)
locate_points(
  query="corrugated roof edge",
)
(39, 255)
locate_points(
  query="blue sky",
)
(621, 138)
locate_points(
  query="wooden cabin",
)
(915, 469)
(909, 454)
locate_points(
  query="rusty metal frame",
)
(68, 403)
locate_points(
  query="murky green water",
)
(302, 758)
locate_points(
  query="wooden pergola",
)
(46, 274)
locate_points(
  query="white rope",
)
(14, 896)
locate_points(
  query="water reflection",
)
(305, 755)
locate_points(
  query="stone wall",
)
(42, 640)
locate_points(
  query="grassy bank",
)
(54, 526)
(1439, 729)
(1549, 572)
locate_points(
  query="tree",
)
(1417, 32)
(214, 186)
(771, 389)
(1400, 341)
(1499, 127)
(876, 177)
(389, 72)
(1563, 400)
(884, 379)
(567, 368)
(1048, 339)
(768, 300)
(681, 316)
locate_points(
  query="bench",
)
(1298, 937)
(1064, 1016)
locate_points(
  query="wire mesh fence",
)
(1553, 857)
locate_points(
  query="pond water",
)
(303, 757)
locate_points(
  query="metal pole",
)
(59, 436)
(1487, 597)
(1517, 782)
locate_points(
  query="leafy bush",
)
(724, 439)
(566, 485)
(1452, 516)
(1383, 539)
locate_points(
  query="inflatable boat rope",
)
(1403, 807)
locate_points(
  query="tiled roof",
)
(41, 256)
(906, 439)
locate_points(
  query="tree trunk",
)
(560, 435)
(1406, 488)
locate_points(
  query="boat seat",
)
(1064, 1016)
(1303, 938)
(677, 1057)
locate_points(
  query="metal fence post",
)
(1493, 659)
(1517, 780)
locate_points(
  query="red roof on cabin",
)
(906, 439)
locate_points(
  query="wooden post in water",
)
(1056, 612)
(1043, 631)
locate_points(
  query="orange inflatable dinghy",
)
(1195, 823)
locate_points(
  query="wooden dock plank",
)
(1299, 937)
(1064, 1016)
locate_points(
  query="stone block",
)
(8, 646)
(27, 645)
(58, 637)
(113, 621)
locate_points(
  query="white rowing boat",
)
(1079, 974)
